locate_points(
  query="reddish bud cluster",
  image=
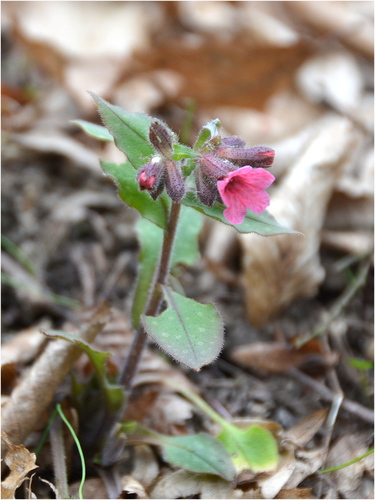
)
(225, 170)
(163, 171)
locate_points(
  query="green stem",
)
(83, 464)
(348, 463)
(112, 445)
(198, 402)
(132, 362)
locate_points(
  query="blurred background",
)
(295, 76)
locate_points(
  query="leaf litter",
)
(273, 85)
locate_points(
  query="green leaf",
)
(361, 364)
(186, 248)
(114, 395)
(94, 130)
(130, 131)
(200, 453)
(253, 448)
(180, 152)
(190, 332)
(156, 211)
(150, 237)
(185, 251)
(264, 224)
(207, 133)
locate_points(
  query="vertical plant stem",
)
(132, 362)
(59, 458)
(113, 446)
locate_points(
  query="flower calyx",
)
(234, 150)
(162, 171)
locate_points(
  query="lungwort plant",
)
(173, 186)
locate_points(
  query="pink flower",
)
(242, 189)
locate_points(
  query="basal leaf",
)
(94, 130)
(253, 448)
(155, 211)
(130, 131)
(264, 224)
(190, 332)
(185, 251)
(200, 453)
(113, 394)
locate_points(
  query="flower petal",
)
(244, 188)
(235, 213)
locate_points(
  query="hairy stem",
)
(132, 362)
(113, 447)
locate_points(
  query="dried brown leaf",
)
(131, 488)
(305, 430)
(278, 270)
(183, 484)
(307, 462)
(347, 448)
(31, 397)
(48, 141)
(145, 465)
(94, 488)
(270, 486)
(341, 20)
(295, 493)
(22, 347)
(279, 357)
(20, 462)
(333, 77)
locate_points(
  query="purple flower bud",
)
(233, 142)
(174, 182)
(206, 190)
(215, 168)
(260, 156)
(151, 177)
(161, 139)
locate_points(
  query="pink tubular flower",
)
(242, 189)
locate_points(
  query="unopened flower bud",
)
(259, 156)
(161, 139)
(206, 189)
(174, 181)
(215, 168)
(233, 142)
(151, 178)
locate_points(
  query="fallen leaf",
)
(307, 462)
(295, 493)
(94, 488)
(280, 357)
(278, 270)
(131, 488)
(345, 449)
(24, 346)
(304, 431)
(183, 484)
(145, 465)
(20, 462)
(270, 486)
(32, 396)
